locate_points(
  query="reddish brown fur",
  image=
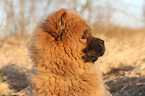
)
(56, 51)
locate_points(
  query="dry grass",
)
(14, 65)
(123, 50)
(123, 64)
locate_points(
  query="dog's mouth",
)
(93, 55)
(95, 58)
(102, 52)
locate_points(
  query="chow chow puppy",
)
(64, 51)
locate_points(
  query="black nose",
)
(101, 42)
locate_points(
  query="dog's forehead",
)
(76, 19)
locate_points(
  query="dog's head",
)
(69, 30)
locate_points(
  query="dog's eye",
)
(83, 37)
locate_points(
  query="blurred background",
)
(121, 23)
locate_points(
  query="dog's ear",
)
(61, 18)
(61, 22)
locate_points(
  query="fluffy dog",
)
(64, 51)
